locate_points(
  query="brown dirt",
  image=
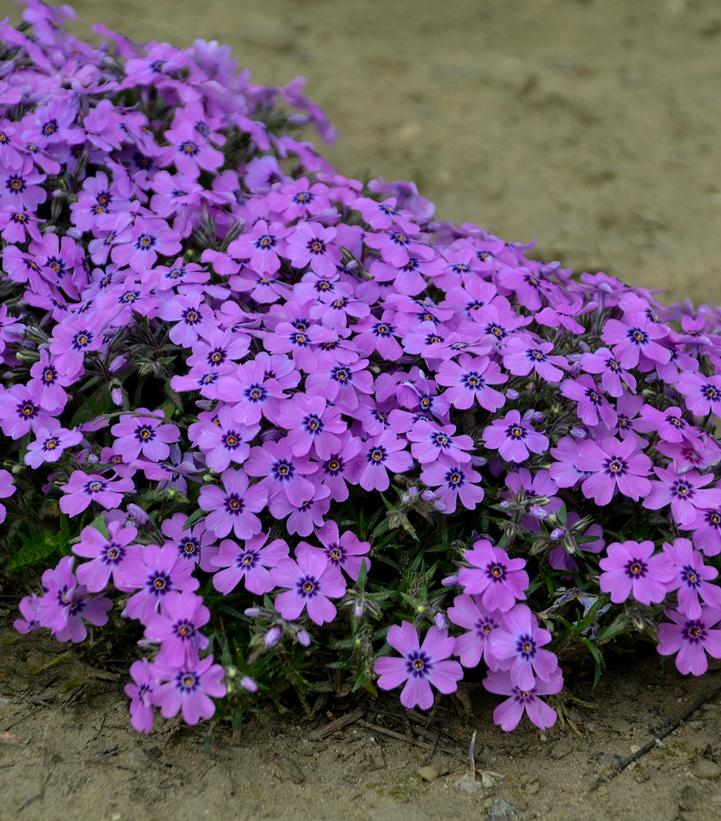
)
(591, 126)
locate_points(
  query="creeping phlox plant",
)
(266, 418)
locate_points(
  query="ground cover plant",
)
(286, 430)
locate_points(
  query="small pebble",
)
(706, 769)
(427, 773)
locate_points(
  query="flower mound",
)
(275, 416)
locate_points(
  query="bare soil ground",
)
(589, 125)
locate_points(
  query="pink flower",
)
(420, 665)
(500, 580)
(610, 465)
(692, 639)
(84, 488)
(514, 439)
(312, 244)
(143, 432)
(630, 568)
(685, 492)
(107, 554)
(518, 644)
(379, 455)
(177, 628)
(634, 337)
(480, 623)
(188, 689)
(691, 578)
(468, 382)
(252, 564)
(346, 552)
(509, 713)
(311, 581)
(50, 444)
(140, 693)
(234, 506)
(453, 482)
(430, 441)
(524, 354)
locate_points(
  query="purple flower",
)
(685, 492)
(453, 482)
(468, 382)
(500, 580)
(702, 393)
(524, 354)
(252, 563)
(84, 488)
(312, 424)
(635, 337)
(509, 713)
(312, 244)
(282, 472)
(263, 246)
(614, 377)
(610, 465)
(177, 628)
(631, 569)
(592, 407)
(431, 441)
(480, 623)
(692, 639)
(139, 245)
(50, 444)
(192, 543)
(140, 692)
(65, 605)
(706, 531)
(153, 572)
(514, 438)
(346, 552)
(251, 392)
(420, 666)
(144, 433)
(7, 488)
(518, 646)
(233, 507)
(379, 455)
(107, 554)
(187, 689)
(311, 580)
(691, 578)
(20, 413)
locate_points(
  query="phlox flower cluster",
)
(275, 409)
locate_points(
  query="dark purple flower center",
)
(82, 339)
(255, 393)
(615, 467)
(473, 381)
(303, 198)
(341, 375)
(485, 626)
(189, 148)
(496, 572)
(398, 238)
(455, 478)
(536, 355)
(113, 553)
(334, 466)
(711, 392)
(187, 681)
(159, 583)
(145, 242)
(49, 128)
(441, 440)
(694, 631)
(316, 246)
(384, 329)
(94, 486)
(335, 553)
(27, 410)
(216, 357)
(377, 455)
(637, 336)
(266, 242)
(682, 489)
(51, 443)
(15, 184)
(300, 339)
(247, 560)
(517, 432)
(526, 647)
(191, 316)
(307, 587)
(636, 568)
(313, 424)
(676, 421)
(690, 577)
(713, 519)
(144, 433)
(231, 440)
(234, 504)
(496, 330)
(418, 664)
(593, 396)
(189, 547)
(283, 470)
(184, 629)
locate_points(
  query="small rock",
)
(427, 773)
(687, 799)
(706, 769)
(634, 749)
(532, 787)
(469, 784)
(500, 809)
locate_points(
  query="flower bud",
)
(272, 637)
(140, 516)
(449, 581)
(248, 684)
(303, 638)
(440, 621)
(252, 612)
(557, 533)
